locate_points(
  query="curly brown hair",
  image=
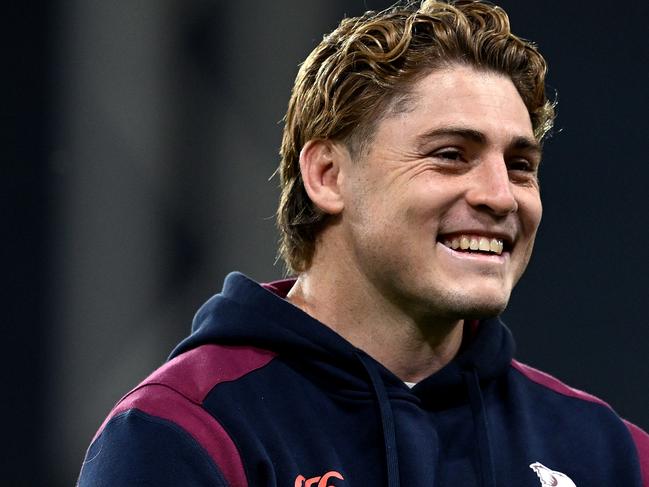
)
(361, 71)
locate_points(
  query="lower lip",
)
(476, 256)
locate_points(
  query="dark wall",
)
(125, 205)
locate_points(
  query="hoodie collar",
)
(247, 313)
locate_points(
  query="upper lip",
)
(506, 237)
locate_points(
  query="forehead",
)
(462, 95)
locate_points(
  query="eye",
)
(521, 164)
(518, 165)
(523, 170)
(449, 154)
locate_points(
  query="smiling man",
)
(432, 224)
(410, 203)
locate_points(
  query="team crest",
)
(550, 478)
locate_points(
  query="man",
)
(410, 204)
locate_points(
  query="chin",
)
(475, 307)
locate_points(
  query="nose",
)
(491, 189)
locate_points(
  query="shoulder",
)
(169, 403)
(194, 373)
(181, 385)
(552, 383)
(639, 437)
(135, 448)
(641, 440)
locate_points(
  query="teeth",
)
(469, 242)
(496, 246)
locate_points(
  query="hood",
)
(250, 314)
(247, 313)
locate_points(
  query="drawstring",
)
(472, 382)
(387, 420)
(487, 474)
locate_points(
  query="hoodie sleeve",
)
(641, 440)
(136, 448)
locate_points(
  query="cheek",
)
(531, 210)
(428, 199)
(372, 218)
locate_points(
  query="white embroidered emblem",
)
(550, 478)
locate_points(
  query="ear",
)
(320, 165)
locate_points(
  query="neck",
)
(411, 347)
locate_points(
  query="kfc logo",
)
(301, 481)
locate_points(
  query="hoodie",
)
(262, 394)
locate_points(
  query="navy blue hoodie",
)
(262, 394)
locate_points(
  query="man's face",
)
(458, 168)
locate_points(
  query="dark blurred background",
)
(139, 138)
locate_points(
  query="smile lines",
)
(475, 243)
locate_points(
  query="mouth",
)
(476, 244)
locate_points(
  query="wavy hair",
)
(360, 71)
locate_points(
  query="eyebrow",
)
(519, 142)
